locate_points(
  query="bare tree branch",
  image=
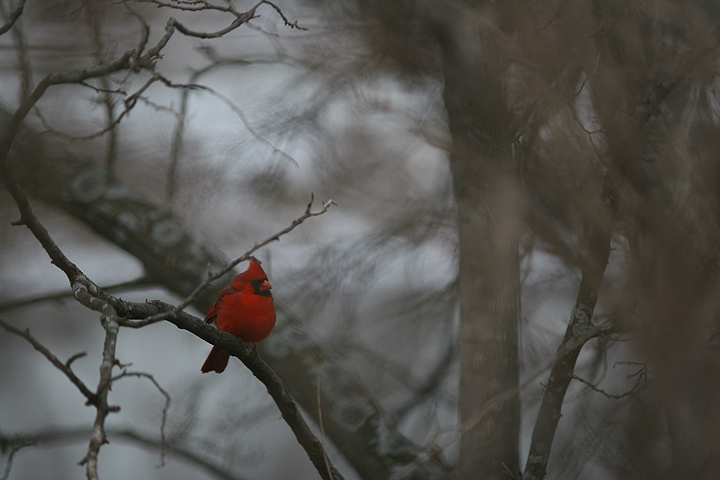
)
(178, 134)
(96, 38)
(16, 446)
(322, 430)
(200, 5)
(109, 321)
(140, 282)
(285, 19)
(99, 397)
(21, 49)
(598, 249)
(112, 120)
(61, 435)
(63, 367)
(235, 110)
(165, 409)
(12, 17)
(640, 375)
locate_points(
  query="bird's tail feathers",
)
(216, 361)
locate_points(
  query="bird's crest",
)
(254, 271)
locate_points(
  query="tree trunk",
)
(489, 202)
(489, 312)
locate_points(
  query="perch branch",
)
(237, 348)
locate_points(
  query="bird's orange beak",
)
(265, 286)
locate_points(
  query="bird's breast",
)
(250, 317)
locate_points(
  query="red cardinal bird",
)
(245, 309)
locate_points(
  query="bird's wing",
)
(212, 314)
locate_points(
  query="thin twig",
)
(143, 281)
(237, 110)
(13, 450)
(129, 103)
(641, 377)
(244, 18)
(245, 256)
(165, 409)
(285, 19)
(199, 6)
(63, 367)
(13, 17)
(21, 48)
(322, 430)
(240, 17)
(182, 117)
(96, 38)
(70, 434)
